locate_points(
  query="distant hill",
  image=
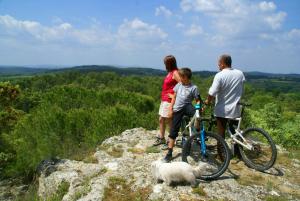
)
(270, 75)
(122, 71)
(15, 70)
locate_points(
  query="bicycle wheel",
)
(264, 152)
(217, 157)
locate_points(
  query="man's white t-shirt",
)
(227, 88)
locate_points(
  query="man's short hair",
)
(185, 72)
(226, 59)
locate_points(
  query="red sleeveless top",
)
(167, 87)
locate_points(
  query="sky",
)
(259, 35)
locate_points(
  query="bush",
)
(73, 120)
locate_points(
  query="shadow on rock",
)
(47, 166)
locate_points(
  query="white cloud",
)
(292, 37)
(236, 19)
(62, 32)
(33, 28)
(130, 34)
(137, 29)
(294, 34)
(275, 20)
(162, 10)
(267, 6)
(180, 25)
(194, 30)
(199, 5)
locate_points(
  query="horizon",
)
(56, 67)
(261, 36)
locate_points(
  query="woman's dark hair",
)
(170, 63)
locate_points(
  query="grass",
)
(32, 194)
(84, 154)
(62, 189)
(269, 185)
(275, 198)
(294, 153)
(136, 150)
(115, 151)
(249, 180)
(84, 191)
(152, 149)
(86, 188)
(133, 143)
(199, 191)
(90, 159)
(188, 198)
(284, 159)
(118, 189)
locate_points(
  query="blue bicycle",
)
(204, 148)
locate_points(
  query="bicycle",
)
(201, 146)
(256, 147)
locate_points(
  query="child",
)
(181, 104)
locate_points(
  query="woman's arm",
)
(176, 76)
(171, 105)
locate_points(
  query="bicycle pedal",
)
(204, 159)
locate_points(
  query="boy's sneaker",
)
(165, 146)
(168, 157)
(159, 141)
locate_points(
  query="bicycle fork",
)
(202, 137)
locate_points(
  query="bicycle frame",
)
(202, 132)
(239, 133)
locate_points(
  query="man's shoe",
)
(168, 158)
(159, 141)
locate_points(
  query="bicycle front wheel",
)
(216, 160)
(263, 154)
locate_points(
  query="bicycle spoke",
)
(263, 153)
(212, 162)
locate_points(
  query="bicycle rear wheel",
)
(264, 152)
(217, 157)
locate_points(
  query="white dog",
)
(175, 172)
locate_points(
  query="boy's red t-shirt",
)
(167, 87)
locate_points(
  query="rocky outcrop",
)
(120, 170)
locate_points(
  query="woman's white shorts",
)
(164, 109)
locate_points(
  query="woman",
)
(169, 83)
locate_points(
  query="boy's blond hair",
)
(185, 72)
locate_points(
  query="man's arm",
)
(209, 99)
(213, 90)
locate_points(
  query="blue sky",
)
(260, 35)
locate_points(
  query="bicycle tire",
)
(251, 163)
(225, 163)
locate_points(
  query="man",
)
(227, 90)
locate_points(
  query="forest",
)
(67, 113)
